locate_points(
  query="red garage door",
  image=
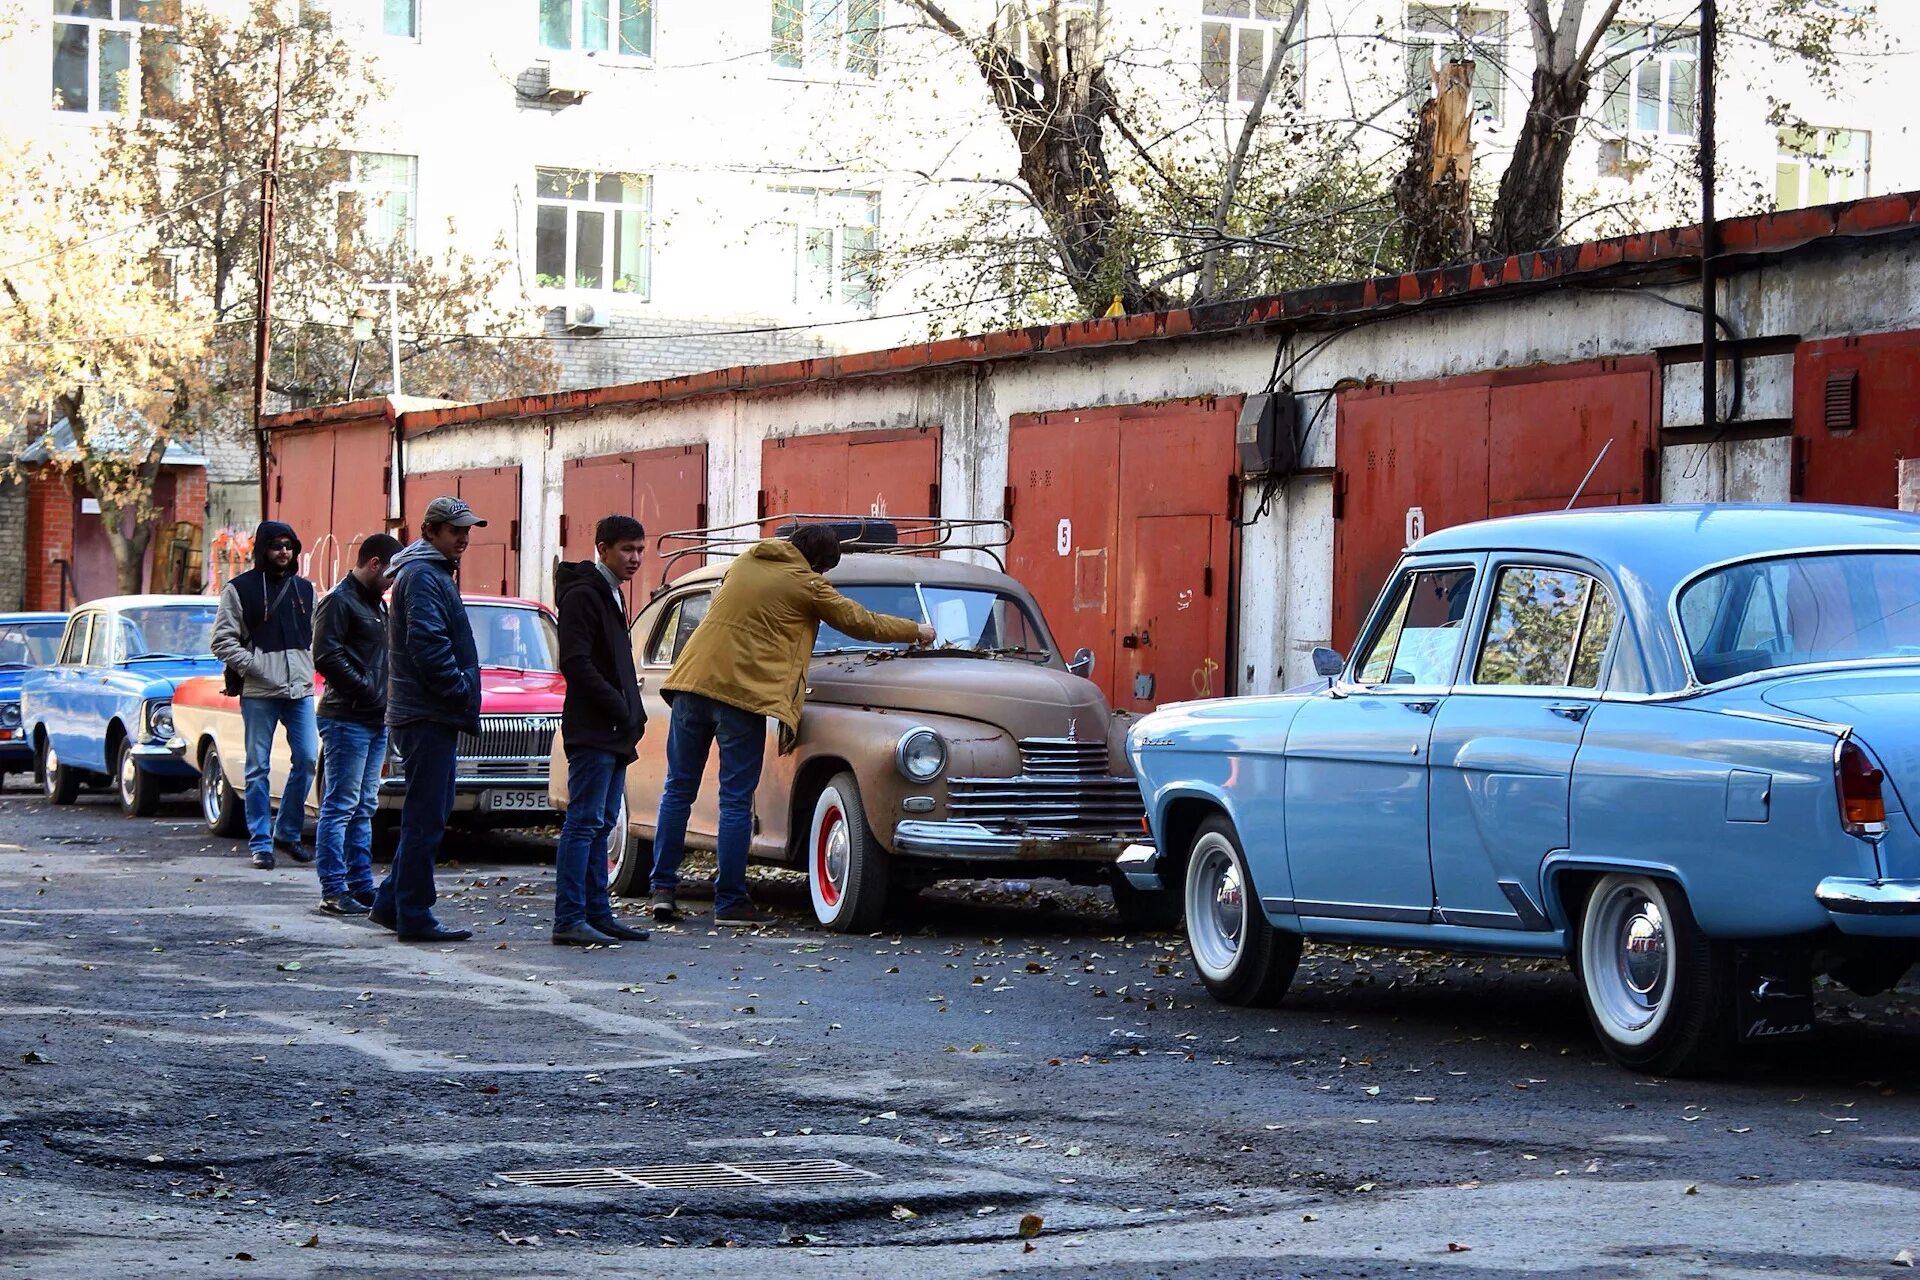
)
(1415, 457)
(1856, 413)
(361, 478)
(492, 563)
(301, 494)
(1120, 530)
(665, 489)
(864, 473)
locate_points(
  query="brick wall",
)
(628, 352)
(13, 543)
(50, 508)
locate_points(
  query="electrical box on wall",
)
(1267, 435)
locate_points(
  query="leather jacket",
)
(350, 650)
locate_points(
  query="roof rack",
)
(867, 535)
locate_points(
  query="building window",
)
(1820, 166)
(590, 232)
(1019, 19)
(1439, 34)
(111, 56)
(827, 37)
(373, 195)
(1236, 39)
(397, 17)
(618, 28)
(830, 238)
(1650, 74)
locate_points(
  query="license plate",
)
(514, 801)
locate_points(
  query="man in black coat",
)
(433, 695)
(600, 726)
(350, 650)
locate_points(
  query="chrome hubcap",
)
(834, 853)
(1643, 947)
(210, 788)
(127, 779)
(1625, 958)
(50, 771)
(617, 840)
(1216, 906)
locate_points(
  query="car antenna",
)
(1590, 470)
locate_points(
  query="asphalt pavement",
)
(202, 1075)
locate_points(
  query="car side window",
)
(1420, 636)
(74, 651)
(1548, 628)
(99, 643)
(676, 628)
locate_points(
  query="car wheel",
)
(1241, 957)
(1149, 910)
(846, 872)
(60, 784)
(629, 868)
(1659, 992)
(137, 790)
(220, 804)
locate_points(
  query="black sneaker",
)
(300, 851)
(263, 859)
(382, 918)
(436, 933)
(614, 929)
(342, 904)
(666, 910)
(362, 896)
(742, 913)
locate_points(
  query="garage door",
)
(301, 494)
(665, 489)
(1120, 530)
(1412, 458)
(1856, 413)
(492, 563)
(864, 473)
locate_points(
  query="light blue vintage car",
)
(27, 640)
(104, 711)
(1671, 744)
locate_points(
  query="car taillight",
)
(1863, 809)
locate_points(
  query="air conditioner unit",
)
(586, 317)
(570, 76)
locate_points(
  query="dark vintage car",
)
(27, 641)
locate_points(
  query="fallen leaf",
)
(1030, 1226)
(1693, 1189)
(525, 1240)
(291, 966)
(1373, 1091)
(1309, 1217)
(901, 1213)
(1365, 1186)
(33, 1059)
(243, 1257)
(1904, 1258)
(311, 1242)
(565, 1231)
(1454, 1246)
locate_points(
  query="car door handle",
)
(1574, 711)
(1422, 706)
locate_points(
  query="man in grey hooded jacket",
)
(264, 635)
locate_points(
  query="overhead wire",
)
(149, 221)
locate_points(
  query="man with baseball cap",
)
(433, 695)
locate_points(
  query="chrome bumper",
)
(1869, 897)
(160, 758)
(964, 840)
(1139, 863)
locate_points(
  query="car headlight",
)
(921, 754)
(9, 715)
(160, 720)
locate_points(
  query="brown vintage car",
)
(982, 756)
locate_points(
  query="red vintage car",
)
(502, 776)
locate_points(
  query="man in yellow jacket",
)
(747, 661)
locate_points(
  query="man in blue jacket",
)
(433, 695)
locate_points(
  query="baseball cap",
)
(451, 511)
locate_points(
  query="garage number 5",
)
(1063, 538)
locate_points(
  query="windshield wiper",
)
(14, 666)
(1018, 650)
(156, 657)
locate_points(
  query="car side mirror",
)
(1328, 662)
(1082, 664)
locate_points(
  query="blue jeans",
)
(348, 796)
(696, 722)
(594, 787)
(260, 716)
(428, 752)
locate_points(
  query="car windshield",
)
(167, 631)
(1802, 610)
(509, 635)
(971, 618)
(30, 644)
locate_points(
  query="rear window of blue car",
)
(30, 644)
(1802, 610)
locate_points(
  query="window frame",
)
(836, 66)
(79, 631)
(794, 234)
(1350, 682)
(138, 31)
(577, 23)
(406, 244)
(574, 206)
(667, 620)
(1232, 93)
(1435, 42)
(1626, 50)
(1807, 164)
(1468, 678)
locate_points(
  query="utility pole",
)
(263, 305)
(1709, 240)
(395, 463)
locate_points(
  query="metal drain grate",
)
(749, 1173)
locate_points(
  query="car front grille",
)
(1063, 786)
(505, 747)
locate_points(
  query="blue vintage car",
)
(27, 640)
(103, 711)
(1671, 744)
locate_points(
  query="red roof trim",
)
(1770, 233)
